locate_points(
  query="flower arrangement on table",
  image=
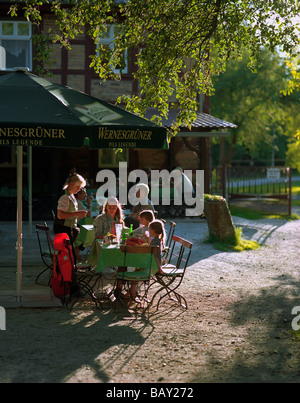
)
(213, 198)
(109, 238)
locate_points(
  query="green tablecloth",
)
(111, 255)
(86, 236)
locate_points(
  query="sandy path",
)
(237, 327)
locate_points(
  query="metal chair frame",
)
(167, 247)
(46, 254)
(143, 276)
(83, 279)
(171, 275)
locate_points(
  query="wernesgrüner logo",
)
(161, 183)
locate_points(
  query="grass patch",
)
(245, 213)
(296, 189)
(232, 244)
(256, 215)
(266, 188)
(293, 216)
(295, 334)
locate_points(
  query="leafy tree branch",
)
(179, 46)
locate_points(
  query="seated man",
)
(142, 191)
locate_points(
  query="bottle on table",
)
(123, 236)
(130, 233)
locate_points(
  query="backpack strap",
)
(54, 265)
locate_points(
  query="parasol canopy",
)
(36, 112)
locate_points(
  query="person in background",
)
(186, 186)
(112, 215)
(67, 209)
(81, 196)
(142, 191)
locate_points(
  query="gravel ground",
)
(237, 327)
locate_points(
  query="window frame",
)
(16, 37)
(12, 151)
(109, 40)
(113, 158)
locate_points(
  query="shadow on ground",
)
(267, 351)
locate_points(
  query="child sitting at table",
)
(145, 218)
(156, 238)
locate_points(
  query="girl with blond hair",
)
(157, 236)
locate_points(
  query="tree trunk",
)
(219, 219)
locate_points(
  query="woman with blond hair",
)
(112, 215)
(67, 209)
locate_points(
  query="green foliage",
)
(293, 152)
(256, 104)
(293, 64)
(214, 198)
(179, 45)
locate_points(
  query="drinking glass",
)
(119, 232)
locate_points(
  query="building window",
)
(8, 156)
(108, 42)
(15, 45)
(110, 159)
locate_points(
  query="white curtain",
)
(17, 53)
(2, 58)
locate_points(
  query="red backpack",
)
(63, 265)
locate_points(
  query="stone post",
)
(218, 217)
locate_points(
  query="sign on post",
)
(273, 174)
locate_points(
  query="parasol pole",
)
(29, 164)
(19, 219)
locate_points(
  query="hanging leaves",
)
(178, 46)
